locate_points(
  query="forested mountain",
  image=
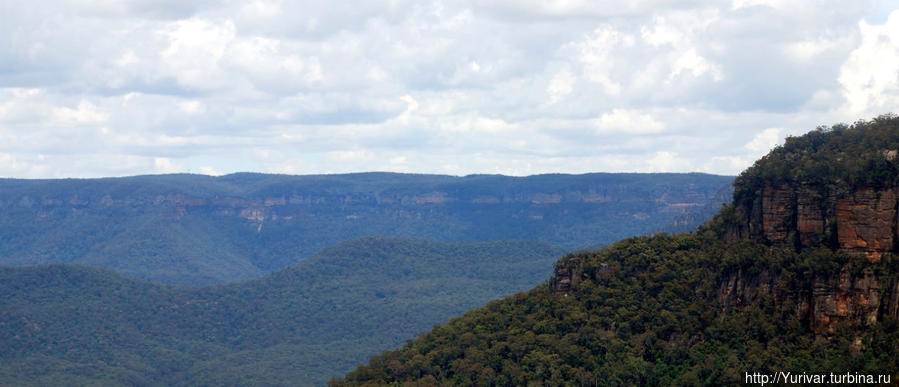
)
(73, 325)
(799, 275)
(192, 229)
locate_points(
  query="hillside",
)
(193, 229)
(799, 275)
(71, 324)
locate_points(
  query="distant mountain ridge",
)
(195, 229)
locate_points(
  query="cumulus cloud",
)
(870, 76)
(628, 122)
(92, 88)
(665, 161)
(84, 113)
(765, 140)
(560, 86)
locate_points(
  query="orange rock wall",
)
(861, 223)
(866, 223)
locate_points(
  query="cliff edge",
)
(799, 274)
(836, 188)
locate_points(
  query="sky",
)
(93, 88)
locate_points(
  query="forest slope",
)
(71, 324)
(799, 275)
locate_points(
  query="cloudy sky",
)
(93, 88)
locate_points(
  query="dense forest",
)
(649, 312)
(193, 229)
(831, 160)
(704, 308)
(72, 324)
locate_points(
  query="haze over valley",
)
(504, 193)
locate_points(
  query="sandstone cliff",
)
(832, 198)
(836, 188)
(848, 296)
(862, 222)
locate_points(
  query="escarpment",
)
(862, 223)
(799, 273)
(830, 199)
(836, 188)
(848, 295)
(859, 222)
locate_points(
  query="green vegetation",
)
(191, 229)
(831, 160)
(690, 309)
(685, 309)
(71, 324)
(650, 311)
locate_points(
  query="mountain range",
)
(201, 230)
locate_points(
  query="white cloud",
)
(472, 86)
(628, 122)
(665, 161)
(13, 166)
(350, 155)
(807, 50)
(691, 63)
(765, 140)
(271, 64)
(195, 47)
(191, 106)
(598, 55)
(561, 85)
(165, 165)
(661, 33)
(870, 76)
(85, 113)
(207, 170)
(748, 3)
(491, 125)
(127, 59)
(730, 163)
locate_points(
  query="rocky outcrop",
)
(866, 223)
(567, 275)
(862, 223)
(855, 298)
(852, 298)
(777, 213)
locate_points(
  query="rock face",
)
(811, 221)
(567, 275)
(858, 298)
(777, 213)
(866, 223)
(861, 223)
(862, 298)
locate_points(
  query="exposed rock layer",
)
(861, 223)
(863, 298)
(567, 275)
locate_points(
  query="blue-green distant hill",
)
(194, 229)
(302, 325)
